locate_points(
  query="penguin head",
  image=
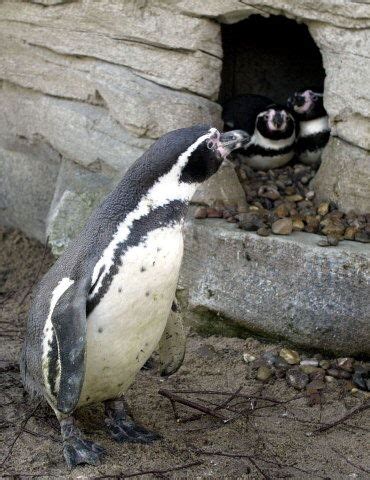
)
(275, 123)
(307, 104)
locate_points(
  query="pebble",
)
(200, 212)
(359, 379)
(264, 373)
(214, 213)
(309, 369)
(345, 364)
(281, 363)
(323, 208)
(297, 379)
(329, 379)
(269, 358)
(319, 374)
(250, 221)
(310, 195)
(284, 226)
(297, 224)
(248, 358)
(282, 211)
(309, 362)
(263, 232)
(294, 198)
(290, 356)
(334, 372)
(268, 192)
(325, 364)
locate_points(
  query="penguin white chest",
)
(128, 322)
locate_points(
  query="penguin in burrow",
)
(271, 127)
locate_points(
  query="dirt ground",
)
(267, 442)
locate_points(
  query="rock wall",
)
(86, 86)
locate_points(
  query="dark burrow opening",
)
(271, 56)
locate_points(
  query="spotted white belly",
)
(127, 324)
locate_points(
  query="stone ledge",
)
(286, 287)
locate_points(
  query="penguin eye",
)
(314, 98)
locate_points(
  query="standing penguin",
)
(99, 312)
(271, 127)
(313, 124)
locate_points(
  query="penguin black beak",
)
(233, 140)
(278, 119)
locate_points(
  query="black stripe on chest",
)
(313, 142)
(253, 150)
(165, 216)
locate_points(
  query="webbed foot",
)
(77, 450)
(122, 429)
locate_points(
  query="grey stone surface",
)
(28, 174)
(222, 189)
(344, 176)
(282, 287)
(77, 192)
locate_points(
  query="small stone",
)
(354, 391)
(308, 369)
(263, 232)
(345, 363)
(214, 213)
(329, 379)
(297, 379)
(310, 195)
(250, 221)
(342, 374)
(290, 190)
(281, 363)
(312, 223)
(325, 364)
(290, 356)
(269, 358)
(264, 373)
(268, 192)
(284, 226)
(363, 237)
(312, 362)
(298, 224)
(350, 233)
(332, 226)
(323, 208)
(332, 240)
(318, 374)
(200, 212)
(359, 379)
(294, 198)
(282, 211)
(248, 358)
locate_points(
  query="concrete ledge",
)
(285, 287)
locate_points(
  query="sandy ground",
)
(269, 441)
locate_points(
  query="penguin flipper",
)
(173, 343)
(69, 323)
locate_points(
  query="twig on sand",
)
(363, 469)
(173, 397)
(327, 426)
(20, 431)
(161, 472)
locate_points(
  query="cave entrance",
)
(271, 56)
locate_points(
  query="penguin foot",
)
(77, 450)
(122, 429)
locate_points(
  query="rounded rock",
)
(290, 356)
(297, 379)
(264, 373)
(284, 226)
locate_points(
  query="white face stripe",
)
(48, 331)
(166, 189)
(311, 127)
(260, 140)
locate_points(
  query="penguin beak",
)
(232, 140)
(278, 120)
(299, 100)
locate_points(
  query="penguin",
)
(313, 124)
(271, 127)
(100, 311)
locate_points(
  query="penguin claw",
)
(123, 431)
(77, 450)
